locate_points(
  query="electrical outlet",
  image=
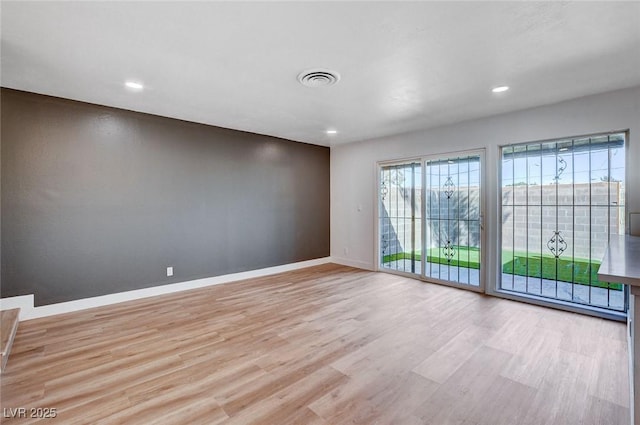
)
(170, 271)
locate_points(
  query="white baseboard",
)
(23, 302)
(352, 263)
(29, 311)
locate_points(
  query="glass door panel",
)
(453, 220)
(400, 218)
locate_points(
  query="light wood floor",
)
(325, 345)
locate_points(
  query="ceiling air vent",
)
(318, 77)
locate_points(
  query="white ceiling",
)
(404, 66)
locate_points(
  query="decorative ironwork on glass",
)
(553, 236)
(448, 187)
(448, 251)
(557, 244)
(383, 191)
(385, 244)
(562, 165)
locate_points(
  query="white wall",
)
(353, 166)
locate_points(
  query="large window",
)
(561, 200)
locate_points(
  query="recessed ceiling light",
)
(332, 131)
(134, 85)
(500, 89)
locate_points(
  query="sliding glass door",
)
(430, 219)
(561, 200)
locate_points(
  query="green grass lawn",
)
(578, 270)
(464, 256)
(545, 266)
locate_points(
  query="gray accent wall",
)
(97, 200)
